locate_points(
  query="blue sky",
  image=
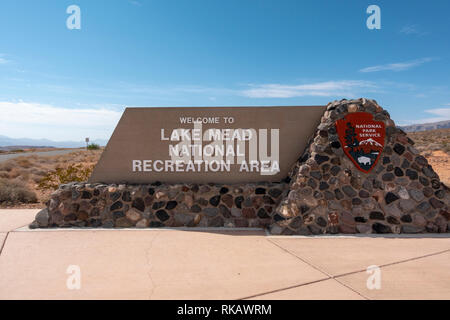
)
(66, 84)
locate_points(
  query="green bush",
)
(15, 192)
(93, 146)
(59, 176)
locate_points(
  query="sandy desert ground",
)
(435, 146)
(27, 182)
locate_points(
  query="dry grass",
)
(14, 192)
(432, 140)
(26, 173)
(435, 146)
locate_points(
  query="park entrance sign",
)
(203, 145)
(343, 168)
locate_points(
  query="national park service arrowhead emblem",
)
(362, 139)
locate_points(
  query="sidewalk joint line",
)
(150, 266)
(395, 262)
(339, 275)
(330, 276)
(352, 289)
(283, 289)
(4, 242)
(300, 258)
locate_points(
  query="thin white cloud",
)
(319, 89)
(443, 113)
(439, 114)
(41, 121)
(135, 3)
(412, 30)
(399, 66)
(3, 60)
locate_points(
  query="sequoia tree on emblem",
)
(362, 139)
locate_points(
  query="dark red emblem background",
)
(362, 139)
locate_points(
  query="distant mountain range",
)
(427, 126)
(7, 141)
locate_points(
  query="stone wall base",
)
(162, 205)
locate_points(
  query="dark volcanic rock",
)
(390, 197)
(214, 201)
(381, 228)
(139, 204)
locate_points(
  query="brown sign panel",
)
(203, 145)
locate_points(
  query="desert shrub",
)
(35, 178)
(15, 172)
(15, 192)
(19, 172)
(43, 160)
(38, 172)
(446, 146)
(6, 166)
(24, 162)
(25, 177)
(93, 146)
(61, 175)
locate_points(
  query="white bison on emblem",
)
(364, 160)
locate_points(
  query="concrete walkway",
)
(214, 264)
